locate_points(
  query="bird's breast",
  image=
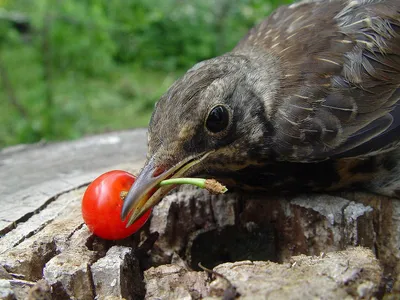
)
(288, 177)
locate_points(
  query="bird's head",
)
(210, 122)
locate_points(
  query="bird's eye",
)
(218, 119)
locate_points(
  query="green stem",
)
(200, 182)
(211, 185)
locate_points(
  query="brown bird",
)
(307, 100)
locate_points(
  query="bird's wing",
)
(340, 77)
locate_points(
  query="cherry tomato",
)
(102, 205)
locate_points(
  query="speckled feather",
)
(312, 93)
(340, 76)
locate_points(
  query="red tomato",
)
(102, 205)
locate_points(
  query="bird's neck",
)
(263, 75)
(378, 173)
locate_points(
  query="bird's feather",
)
(340, 77)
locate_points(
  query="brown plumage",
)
(308, 99)
(339, 67)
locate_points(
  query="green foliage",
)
(174, 34)
(69, 68)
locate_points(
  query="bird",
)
(308, 100)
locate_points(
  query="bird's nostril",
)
(158, 171)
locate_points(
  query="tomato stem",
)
(123, 194)
(211, 185)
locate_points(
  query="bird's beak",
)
(146, 192)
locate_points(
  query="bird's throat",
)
(287, 177)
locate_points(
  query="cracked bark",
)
(46, 250)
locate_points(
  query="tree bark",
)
(258, 246)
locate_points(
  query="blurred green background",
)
(75, 67)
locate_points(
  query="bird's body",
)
(307, 100)
(338, 65)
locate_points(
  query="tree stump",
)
(314, 245)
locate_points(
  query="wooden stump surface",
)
(32, 175)
(46, 252)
